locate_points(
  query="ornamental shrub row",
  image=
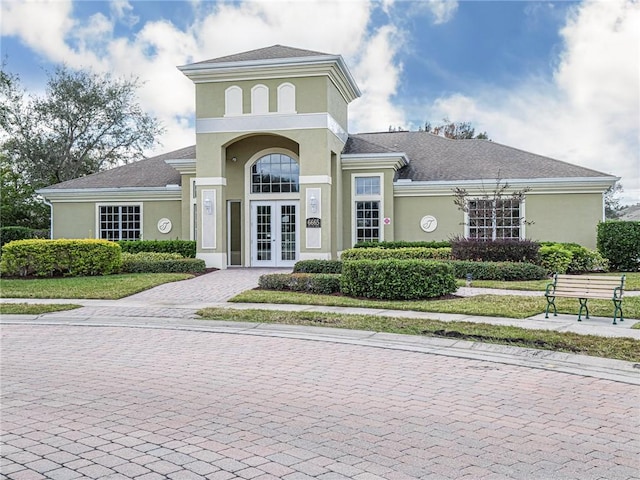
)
(49, 258)
(402, 244)
(503, 271)
(320, 283)
(186, 248)
(392, 279)
(500, 250)
(318, 266)
(10, 234)
(571, 258)
(424, 253)
(152, 262)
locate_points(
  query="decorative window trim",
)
(366, 198)
(233, 104)
(98, 218)
(286, 100)
(259, 99)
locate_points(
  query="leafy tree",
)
(85, 122)
(19, 205)
(612, 205)
(454, 130)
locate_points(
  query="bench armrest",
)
(551, 287)
(617, 293)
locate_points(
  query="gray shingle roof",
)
(268, 53)
(433, 158)
(150, 172)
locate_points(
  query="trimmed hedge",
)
(555, 258)
(503, 271)
(495, 250)
(319, 283)
(186, 248)
(581, 259)
(152, 262)
(318, 266)
(415, 253)
(11, 234)
(48, 258)
(402, 244)
(619, 242)
(397, 279)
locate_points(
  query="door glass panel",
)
(287, 232)
(263, 232)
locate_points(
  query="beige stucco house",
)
(275, 177)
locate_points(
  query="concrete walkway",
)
(140, 389)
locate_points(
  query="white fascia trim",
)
(211, 72)
(309, 179)
(142, 194)
(271, 122)
(359, 161)
(406, 188)
(211, 181)
(183, 166)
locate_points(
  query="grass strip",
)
(34, 308)
(616, 348)
(509, 306)
(109, 287)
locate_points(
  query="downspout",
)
(50, 205)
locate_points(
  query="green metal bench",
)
(584, 287)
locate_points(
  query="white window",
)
(259, 99)
(286, 98)
(233, 101)
(367, 196)
(119, 222)
(494, 219)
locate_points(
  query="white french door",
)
(274, 233)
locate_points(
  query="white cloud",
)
(442, 10)
(588, 113)
(123, 11)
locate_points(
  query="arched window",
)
(259, 99)
(233, 101)
(286, 98)
(275, 173)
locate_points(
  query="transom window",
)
(494, 219)
(275, 173)
(120, 222)
(368, 210)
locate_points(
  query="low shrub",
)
(402, 244)
(186, 248)
(319, 283)
(318, 266)
(10, 234)
(501, 250)
(619, 243)
(154, 262)
(503, 271)
(555, 258)
(393, 279)
(49, 258)
(414, 253)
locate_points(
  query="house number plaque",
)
(313, 222)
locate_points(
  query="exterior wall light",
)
(208, 206)
(313, 204)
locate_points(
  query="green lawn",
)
(632, 282)
(619, 348)
(109, 287)
(34, 308)
(484, 305)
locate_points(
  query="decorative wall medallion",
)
(428, 223)
(164, 225)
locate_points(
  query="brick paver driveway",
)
(143, 403)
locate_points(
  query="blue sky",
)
(556, 78)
